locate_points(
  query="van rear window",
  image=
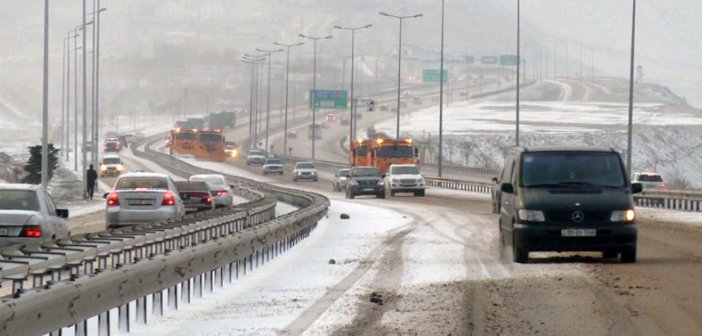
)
(650, 178)
(546, 169)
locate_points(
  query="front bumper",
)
(306, 176)
(358, 190)
(548, 237)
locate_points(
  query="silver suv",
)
(143, 198)
(404, 178)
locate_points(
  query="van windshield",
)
(109, 161)
(549, 169)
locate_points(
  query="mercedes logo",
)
(577, 216)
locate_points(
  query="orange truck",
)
(210, 146)
(383, 152)
(183, 141)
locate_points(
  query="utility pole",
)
(312, 97)
(441, 96)
(631, 90)
(45, 103)
(518, 63)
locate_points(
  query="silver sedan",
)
(28, 215)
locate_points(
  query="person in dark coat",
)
(92, 181)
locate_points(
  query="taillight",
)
(112, 199)
(222, 193)
(207, 200)
(168, 198)
(32, 231)
(662, 186)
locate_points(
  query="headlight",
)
(623, 216)
(342, 178)
(103, 167)
(381, 183)
(354, 182)
(120, 167)
(531, 215)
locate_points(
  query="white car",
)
(143, 198)
(28, 215)
(273, 166)
(305, 171)
(111, 165)
(256, 157)
(220, 189)
(404, 178)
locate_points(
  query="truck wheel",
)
(519, 253)
(419, 193)
(628, 255)
(610, 254)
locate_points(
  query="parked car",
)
(273, 166)
(567, 199)
(143, 198)
(404, 178)
(220, 189)
(196, 196)
(341, 178)
(256, 157)
(29, 215)
(305, 171)
(111, 165)
(365, 180)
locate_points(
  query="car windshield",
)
(345, 172)
(365, 172)
(650, 178)
(572, 169)
(305, 166)
(274, 162)
(18, 200)
(141, 182)
(211, 180)
(395, 152)
(109, 161)
(256, 152)
(185, 136)
(362, 151)
(405, 170)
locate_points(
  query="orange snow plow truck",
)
(382, 152)
(210, 146)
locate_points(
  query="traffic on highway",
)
(363, 167)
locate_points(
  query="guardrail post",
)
(198, 285)
(124, 318)
(158, 303)
(104, 324)
(56, 333)
(81, 328)
(185, 291)
(141, 310)
(219, 274)
(173, 297)
(209, 281)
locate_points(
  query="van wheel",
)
(610, 254)
(628, 255)
(419, 193)
(519, 253)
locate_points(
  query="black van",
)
(567, 199)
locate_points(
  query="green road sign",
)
(509, 59)
(434, 76)
(489, 59)
(329, 99)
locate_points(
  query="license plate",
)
(140, 202)
(578, 233)
(369, 189)
(4, 231)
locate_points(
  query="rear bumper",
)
(115, 216)
(223, 200)
(545, 237)
(306, 177)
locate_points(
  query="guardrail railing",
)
(87, 276)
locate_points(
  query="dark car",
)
(365, 181)
(196, 196)
(567, 199)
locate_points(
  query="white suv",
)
(404, 178)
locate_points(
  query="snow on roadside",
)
(269, 298)
(667, 216)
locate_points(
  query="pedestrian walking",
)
(92, 181)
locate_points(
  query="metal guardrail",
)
(670, 199)
(478, 187)
(110, 270)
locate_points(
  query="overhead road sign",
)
(329, 99)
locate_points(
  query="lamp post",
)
(631, 88)
(314, 84)
(95, 84)
(85, 101)
(287, 81)
(63, 94)
(251, 92)
(399, 61)
(519, 58)
(352, 115)
(268, 54)
(45, 103)
(441, 97)
(256, 59)
(75, 90)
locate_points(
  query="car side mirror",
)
(636, 188)
(494, 179)
(105, 195)
(62, 213)
(507, 188)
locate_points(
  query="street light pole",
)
(268, 54)
(287, 82)
(352, 113)
(45, 103)
(85, 102)
(256, 59)
(96, 79)
(518, 69)
(631, 89)
(314, 85)
(441, 96)
(399, 62)
(63, 94)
